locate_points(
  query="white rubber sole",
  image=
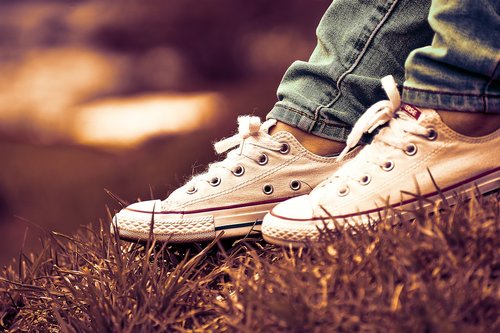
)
(192, 227)
(289, 232)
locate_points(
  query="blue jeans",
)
(447, 54)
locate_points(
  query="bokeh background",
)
(128, 96)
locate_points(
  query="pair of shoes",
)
(233, 195)
(276, 182)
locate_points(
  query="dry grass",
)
(437, 274)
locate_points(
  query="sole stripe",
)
(238, 225)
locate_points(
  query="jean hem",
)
(451, 101)
(307, 123)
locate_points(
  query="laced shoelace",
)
(250, 141)
(396, 135)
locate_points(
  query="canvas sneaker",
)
(406, 157)
(233, 195)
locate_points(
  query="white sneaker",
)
(415, 145)
(233, 196)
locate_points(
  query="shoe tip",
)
(148, 206)
(297, 208)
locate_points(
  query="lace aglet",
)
(241, 147)
(342, 154)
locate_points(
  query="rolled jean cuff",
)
(306, 122)
(439, 100)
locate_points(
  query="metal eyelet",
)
(215, 181)
(192, 189)
(263, 159)
(240, 170)
(285, 148)
(365, 180)
(410, 149)
(388, 166)
(431, 134)
(268, 189)
(295, 185)
(342, 192)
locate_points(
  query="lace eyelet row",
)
(213, 182)
(410, 150)
(268, 189)
(295, 185)
(240, 171)
(343, 191)
(365, 179)
(264, 159)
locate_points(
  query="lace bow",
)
(253, 135)
(375, 116)
(248, 126)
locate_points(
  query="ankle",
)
(315, 144)
(470, 123)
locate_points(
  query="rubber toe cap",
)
(148, 207)
(298, 208)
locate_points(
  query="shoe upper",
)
(258, 168)
(405, 158)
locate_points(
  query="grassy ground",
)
(437, 274)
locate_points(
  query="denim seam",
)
(315, 120)
(477, 102)
(485, 95)
(357, 60)
(448, 92)
(302, 113)
(306, 115)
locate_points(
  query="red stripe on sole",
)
(402, 203)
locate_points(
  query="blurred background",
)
(128, 96)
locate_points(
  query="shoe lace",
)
(375, 116)
(395, 136)
(250, 140)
